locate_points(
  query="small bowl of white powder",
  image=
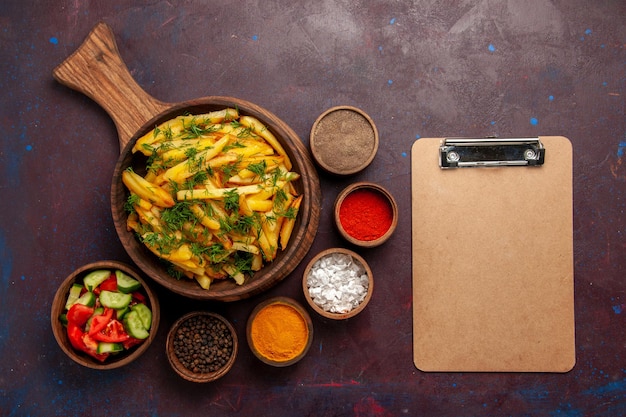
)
(338, 283)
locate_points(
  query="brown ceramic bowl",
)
(299, 310)
(177, 362)
(379, 191)
(326, 312)
(96, 69)
(60, 332)
(343, 140)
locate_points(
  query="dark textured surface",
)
(419, 69)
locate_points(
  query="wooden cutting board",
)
(492, 253)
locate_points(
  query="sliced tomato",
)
(91, 348)
(113, 333)
(79, 314)
(82, 342)
(109, 284)
(99, 322)
(131, 342)
(139, 297)
(89, 342)
(75, 334)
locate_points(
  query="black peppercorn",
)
(203, 344)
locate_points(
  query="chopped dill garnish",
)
(197, 178)
(191, 153)
(148, 147)
(215, 252)
(226, 225)
(231, 200)
(246, 132)
(276, 176)
(280, 199)
(270, 219)
(168, 133)
(129, 205)
(290, 213)
(229, 170)
(243, 262)
(197, 128)
(174, 272)
(244, 224)
(234, 145)
(175, 217)
(258, 168)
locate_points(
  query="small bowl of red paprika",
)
(104, 315)
(366, 214)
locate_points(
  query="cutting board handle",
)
(97, 70)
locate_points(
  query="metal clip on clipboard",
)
(486, 152)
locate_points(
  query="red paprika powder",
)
(365, 214)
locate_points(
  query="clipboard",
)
(492, 255)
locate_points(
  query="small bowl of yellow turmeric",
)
(279, 331)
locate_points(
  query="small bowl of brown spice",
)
(343, 140)
(201, 346)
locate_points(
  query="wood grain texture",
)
(97, 70)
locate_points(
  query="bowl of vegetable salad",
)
(104, 315)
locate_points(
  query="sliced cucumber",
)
(134, 325)
(120, 312)
(88, 299)
(73, 295)
(144, 313)
(125, 283)
(95, 278)
(106, 347)
(115, 300)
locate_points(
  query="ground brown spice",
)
(344, 140)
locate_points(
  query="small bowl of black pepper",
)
(201, 346)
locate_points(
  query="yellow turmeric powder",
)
(279, 332)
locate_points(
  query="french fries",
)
(217, 200)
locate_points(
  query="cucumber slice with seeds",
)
(95, 278)
(134, 325)
(107, 347)
(73, 295)
(125, 283)
(144, 313)
(120, 312)
(115, 300)
(88, 299)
